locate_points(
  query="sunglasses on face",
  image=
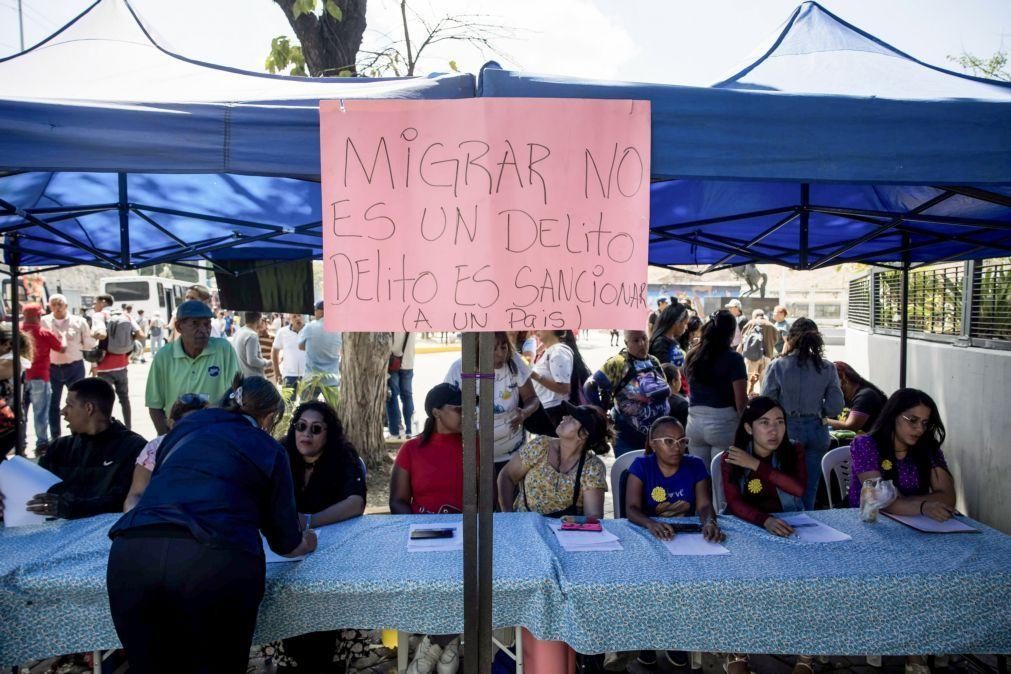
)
(314, 428)
(670, 443)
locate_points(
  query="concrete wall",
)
(972, 388)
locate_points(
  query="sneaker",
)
(449, 661)
(426, 662)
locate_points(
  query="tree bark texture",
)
(362, 401)
(328, 46)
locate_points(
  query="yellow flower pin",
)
(659, 494)
(886, 465)
(754, 485)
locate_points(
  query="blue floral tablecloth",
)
(890, 590)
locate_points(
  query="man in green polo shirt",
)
(194, 363)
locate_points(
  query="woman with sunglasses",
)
(186, 564)
(905, 447)
(144, 466)
(329, 487)
(764, 473)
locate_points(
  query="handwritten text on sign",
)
(492, 214)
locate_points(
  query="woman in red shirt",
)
(764, 473)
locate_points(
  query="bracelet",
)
(922, 503)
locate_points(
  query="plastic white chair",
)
(836, 461)
(618, 470)
(716, 476)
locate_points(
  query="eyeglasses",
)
(314, 428)
(915, 422)
(194, 398)
(670, 443)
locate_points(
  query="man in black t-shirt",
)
(661, 304)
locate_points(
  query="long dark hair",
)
(685, 340)
(257, 397)
(925, 448)
(580, 373)
(336, 443)
(670, 316)
(806, 343)
(757, 408)
(846, 371)
(717, 336)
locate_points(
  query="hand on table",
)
(778, 527)
(738, 457)
(43, 504)
(712, 533)
(664, 532)
(938, 511)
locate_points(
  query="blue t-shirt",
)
(678, 487)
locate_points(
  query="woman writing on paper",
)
(905, 447)
(186, 564)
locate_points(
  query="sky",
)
(668, 41)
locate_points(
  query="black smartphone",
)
(422, 534)
(686, 527)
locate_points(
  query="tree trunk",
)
(363, 392)
(329, 46)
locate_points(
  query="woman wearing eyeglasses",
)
(905, 447)
(329, 487)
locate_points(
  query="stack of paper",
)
(931, 526)
(20, 480)
(436, 544)
(585, 541)
(693, 545)
(806, 529)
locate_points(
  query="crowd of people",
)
(187, 566)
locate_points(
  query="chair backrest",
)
(365, 470)
(716, 476)
(836, 461)
(619, 476)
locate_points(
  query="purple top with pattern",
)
(865, 457)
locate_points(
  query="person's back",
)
(322, 350)
(211, 471)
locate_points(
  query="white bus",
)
(148, 293)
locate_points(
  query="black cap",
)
(593, 420)
(441, 395)
(319, 305)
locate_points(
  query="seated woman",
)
(187, 402)
(427, 474)
(667, 482)
(329, 487)
(560, 476)
(764, 473)
(905, 447)
(863, 399)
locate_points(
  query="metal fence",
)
(963, 302)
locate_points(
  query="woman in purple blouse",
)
(904, 446)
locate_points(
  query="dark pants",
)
(401, 392)
(121, 382)
(314, 652)
(60, 377)
(180, 606)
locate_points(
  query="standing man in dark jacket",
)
(95, 462)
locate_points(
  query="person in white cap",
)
(734, 307)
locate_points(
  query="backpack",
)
(754, 345)
(120, 335)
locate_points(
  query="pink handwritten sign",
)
(485, 214)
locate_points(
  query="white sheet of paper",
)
(274, 558)
(806, 529)
(436, 544)
(924, 523)
(693, 545)
(585, 541)
(20, 480)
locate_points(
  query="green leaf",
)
(333, 10)
(452, 66)
(344, 73)
(303, 7)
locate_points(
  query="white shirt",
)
(555, 363)
(292, 358)
(72, 331)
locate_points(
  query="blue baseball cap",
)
(193, 309)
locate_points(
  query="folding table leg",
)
(518, 645)
(402, 646)
(96, 662)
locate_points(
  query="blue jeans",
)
(61, 376)
(401, 392)
(810, 432)
(157, 342)
(39, 393)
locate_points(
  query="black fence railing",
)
(968, 301)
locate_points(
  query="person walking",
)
(116, 334)
(758, 346)
(400, 394)
(142, 322)
(65, 367)
(37, 376)
(156, 330)
(322, 352)
(246, 343)
(286, 358)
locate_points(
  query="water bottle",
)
(869, 501)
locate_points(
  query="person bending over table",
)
(764, 473)
(186, 565)
(667, 482)
(863, 398)
(329, 487)
(427, 474)
(560, 476)
(905, 447)
(144, 466)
